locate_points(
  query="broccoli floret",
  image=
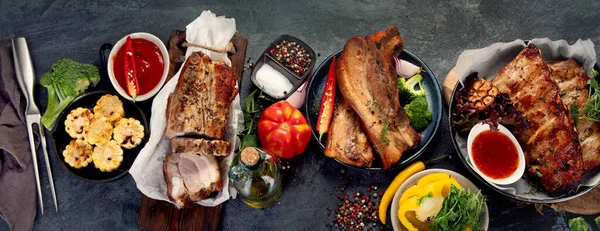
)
(418, 113)
(407, 88)
(65, 81)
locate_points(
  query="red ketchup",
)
(494, 154)
(149, 64)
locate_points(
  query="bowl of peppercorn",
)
(283, 67)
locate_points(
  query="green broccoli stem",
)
(55, 107)
(413, 81)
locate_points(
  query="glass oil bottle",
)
(256, 176)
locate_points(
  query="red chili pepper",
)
(133, 88)
(327, 101)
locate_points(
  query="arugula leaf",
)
(591, 110)
(461, 209)
(578, 224)
(597, 220)
(428, 195)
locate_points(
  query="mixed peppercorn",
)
(292, 56)
(357, 211)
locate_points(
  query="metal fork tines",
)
(26, 78)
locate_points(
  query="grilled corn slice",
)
(108, 156)
(128, 133)
(109, 106)
(76, 120)
(78, 153)
(98, 131)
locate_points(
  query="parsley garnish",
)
(384, 132)
(551, 150)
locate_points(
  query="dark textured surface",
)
(436, 31)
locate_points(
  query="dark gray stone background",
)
(436, 31)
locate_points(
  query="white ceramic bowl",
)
(480, 127)
(463, 181)
(113, 55)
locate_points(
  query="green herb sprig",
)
(461, 209)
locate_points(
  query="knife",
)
(26, 78)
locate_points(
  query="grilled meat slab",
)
(368, 83)
(191, 177)
(550, 144)
(346, 141)
(572, 79)
(202, 98)
(200, 146)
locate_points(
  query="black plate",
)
(433, 95)
(462, 153)
(61, 138)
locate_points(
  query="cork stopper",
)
(250, 156)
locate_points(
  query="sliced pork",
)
(191, 177)
(200, 146)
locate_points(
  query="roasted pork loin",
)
(346, 141)
(202, 98)
(550, 144)
(368, 82)
(191, 177)
(572, 79)
(200, 146)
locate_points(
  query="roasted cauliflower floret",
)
(108, 156)
(482, 93)
(78, 153)
(76, 120)
(109, 106)
(98, 131)
(128, 133)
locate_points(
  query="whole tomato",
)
(283, 130)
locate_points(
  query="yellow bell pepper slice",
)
(409, 205)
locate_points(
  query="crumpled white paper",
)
(147, 170)
(211, 31)
(489, 60)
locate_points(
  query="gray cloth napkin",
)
(17, 182)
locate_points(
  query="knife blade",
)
(26, 78)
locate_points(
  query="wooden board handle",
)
(449, 83)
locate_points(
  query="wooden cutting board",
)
(587, 204)
(161, 215)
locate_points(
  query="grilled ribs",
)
(202, 98)
(572, 79)
(368, 82)
(550, 144)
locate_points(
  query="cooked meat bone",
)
(367, 81)
(551, 147)
(200, 146)
(572, 79)
(346, 141)
(202, 98)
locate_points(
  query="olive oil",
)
(257, 177)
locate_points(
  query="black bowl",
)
(459, 143)
(433, 95)
(61, 138)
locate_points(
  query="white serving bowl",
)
(113, 55)
(463, 181)
(479, 128)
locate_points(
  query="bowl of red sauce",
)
(495, 154)
(151, 65)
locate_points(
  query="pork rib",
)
(346, 141)
(202, 98)
(572, 79)
(367, 81)
(550, 144)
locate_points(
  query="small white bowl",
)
(476, 130)
(463, 181)
(113, 55)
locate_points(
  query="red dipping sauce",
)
(494, 154)
(149, 63)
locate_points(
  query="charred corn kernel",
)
(78, 153)
(482, 94)
(109, 106)
(76, 120)
(128, 133)
(108, 156)
(98, 131)
(391, 190)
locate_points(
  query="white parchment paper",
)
(147, 170)
(489, 60)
